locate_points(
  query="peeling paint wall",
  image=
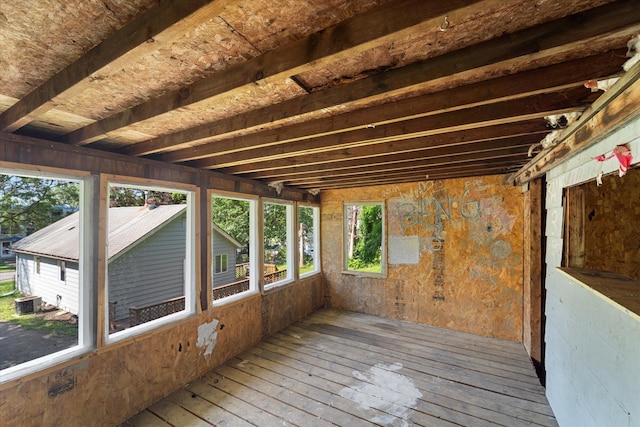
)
(592, 344)
(466, 236)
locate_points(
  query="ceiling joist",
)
(323, 94)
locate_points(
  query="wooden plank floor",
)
(350, 369)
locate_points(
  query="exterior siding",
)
(592, 345)
(151, 272)
(222, 245)
(47, 284)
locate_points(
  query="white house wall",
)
(592, 346)
(150, 272)
(47, 284)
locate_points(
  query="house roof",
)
(127, 225)
(227, 236)
(315, 94)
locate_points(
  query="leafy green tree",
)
(368, 244)
(232, 215)
(124, 196)
(275, 232)
(29, 204)
(305, 233)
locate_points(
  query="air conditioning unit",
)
(30, 304)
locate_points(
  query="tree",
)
(29, 204)
(275, 232)
(232, 215)
(368, 242)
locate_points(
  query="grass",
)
(372, 268)
(6, 267)
(35, 322)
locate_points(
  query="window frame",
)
(63, 270)
(383, 243)
(290, 242)
(254, 252)
(86, 340)
(189, 269)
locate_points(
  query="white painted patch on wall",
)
(207, 336)
(382, 388)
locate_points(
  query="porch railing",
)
(231, 289)
(147, 313)
(227, 290)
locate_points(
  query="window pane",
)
(364, 236)
(232, 236)
(276, 224)
(147, 255)
(308, 239)
(40, 222)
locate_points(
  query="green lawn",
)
(6, 267)
(34, 321)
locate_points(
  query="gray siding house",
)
(226, 248)
(147, 251)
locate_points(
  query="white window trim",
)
(86, 310)
(315, 241)
(345, 255)
(189, 264)
(291, 243)
(254, 258)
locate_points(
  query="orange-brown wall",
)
(470, 245)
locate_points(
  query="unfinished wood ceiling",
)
(317, 94)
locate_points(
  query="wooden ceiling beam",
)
(619, 106)
(505, 155)
(404, 179)
(485, 168)
(549, 78)
(451, 141)
(353, 35)
(162, 22)
(432, 156)
(564, 37)
(485, 115)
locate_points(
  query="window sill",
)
(365, 274)
(621, 290)
(233, 298)
(42, 363)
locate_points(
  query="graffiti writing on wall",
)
(429, 209)
(474, 214)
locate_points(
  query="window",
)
(278, 243)
(150, 259)
(63, 271)
(364, 238)
(601, 225)
(308, 239)
(26, 203)
(221, 263)
(234, 246)
(6, 249)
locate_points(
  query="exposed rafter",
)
(323, 94)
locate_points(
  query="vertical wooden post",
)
(573, 254)
(533, 301)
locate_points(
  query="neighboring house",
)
(225, 250)
(6, 241)
(146, 258)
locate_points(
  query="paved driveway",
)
(7, 275)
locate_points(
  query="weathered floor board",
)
(350, 369)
